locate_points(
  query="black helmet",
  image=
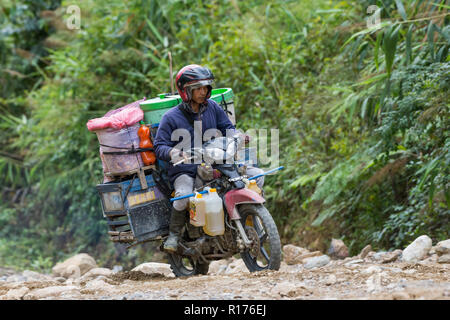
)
(191, 77)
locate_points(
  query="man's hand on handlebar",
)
(177, 155)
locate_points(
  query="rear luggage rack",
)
(136, 210)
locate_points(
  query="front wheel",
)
(265, 251)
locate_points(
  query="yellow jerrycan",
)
(197, 210)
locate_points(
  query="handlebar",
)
(181, 161)
(205, 191)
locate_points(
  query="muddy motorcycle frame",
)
(138, 209)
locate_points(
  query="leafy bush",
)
(406, 109)
(362, 113)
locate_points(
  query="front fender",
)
(239, 196)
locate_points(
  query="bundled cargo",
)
(135, 195)
(113, 147)
(117, 134)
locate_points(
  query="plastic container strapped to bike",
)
(155, 108)
(224, 97)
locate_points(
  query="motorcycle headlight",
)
(215, 153)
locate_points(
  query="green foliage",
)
(362, 113)
(407, 150)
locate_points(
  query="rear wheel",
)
(265, 252)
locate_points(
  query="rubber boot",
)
(177, 220)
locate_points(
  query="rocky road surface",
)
(400, 274)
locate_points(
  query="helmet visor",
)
(199, 84)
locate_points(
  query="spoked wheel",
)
(265, 252)
(185, 266)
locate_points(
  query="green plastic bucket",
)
(219, 95)
(224, 97)
(155, 108)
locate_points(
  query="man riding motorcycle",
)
(193, 83)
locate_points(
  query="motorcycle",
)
(138, 210)
(249, 229)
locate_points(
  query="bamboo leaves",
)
(396, 85)
(430, 34)
(155, 31)
(377, 47)
(389, 46)
(367, 31)
(408, 49)
(401, 9)
(426, 170)
(305, 179)
(442, 52)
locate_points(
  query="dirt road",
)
(352, 278)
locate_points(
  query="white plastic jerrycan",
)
(214, 225)
(197, 210)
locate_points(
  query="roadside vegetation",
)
(362, 111)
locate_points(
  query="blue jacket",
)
(212, 117)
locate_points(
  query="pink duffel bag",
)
(119, 118)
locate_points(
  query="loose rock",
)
(391, 256)
(351, 278)
(295, 268)
(60, 279)
(365, 251)
(75, 266)
(292, 253)
(338, 249)
(237, 266)
(316, 262)
(16, 294)
(444, 258)
(371, 270)
(54, 291)
(155, 269)
(289, 290)
(93, 273)
(16, 278)
(377, 256)
(432, 259)
(305, 256)
(353, 263)
(98, 284)
(331, 280)
(373, 283)
(417, 250)
(32, 275)
(218, 266)
(442, 247)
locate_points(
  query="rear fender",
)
(239, 196)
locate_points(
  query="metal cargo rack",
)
(139, 171)
(135, 209)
